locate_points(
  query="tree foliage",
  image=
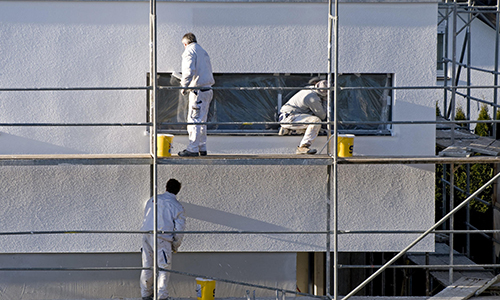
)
(483, 129)
(478, 176)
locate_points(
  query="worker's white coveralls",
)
(197, 74)
(305, 106)
(171, 217)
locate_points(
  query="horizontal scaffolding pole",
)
(472, 68)
(431, 267)
(477, 99)
(73, 124)
(48, 89)
(56, 232)
(341, 266)
(246, 123)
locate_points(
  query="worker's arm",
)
(315, 105)
(188, 67)
(179, 225)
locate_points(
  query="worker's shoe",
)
(148, 298)
(305, 150)
(203, 153)
(187, 153)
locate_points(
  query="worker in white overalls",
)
(307, 106)
(170, 217)
(197, 80)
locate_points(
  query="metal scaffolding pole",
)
(332, 169)
(495, 81)
(452, 219)
(153, 137)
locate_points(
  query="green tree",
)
(460, 115)
(438, 110)
(483, 129)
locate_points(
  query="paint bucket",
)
(345, 145)
(164, 145)
(205, 289)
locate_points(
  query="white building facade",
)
(106, 44)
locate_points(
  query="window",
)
(234, 105)
(440, 48)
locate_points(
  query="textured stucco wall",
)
(58, 44)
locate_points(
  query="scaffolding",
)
(447, 10)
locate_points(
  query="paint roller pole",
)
(153, 136)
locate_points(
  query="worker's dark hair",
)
(190, 38)
(173, 186)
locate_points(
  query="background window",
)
(234, 105)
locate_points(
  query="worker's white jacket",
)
(171, 217)
(196, 67)
(305, 102)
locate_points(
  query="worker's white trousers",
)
(199, 104)
(164, 262)
(312, 130)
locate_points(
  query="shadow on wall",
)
(238, 222)
(12, 144)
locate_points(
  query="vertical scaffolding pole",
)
(452, 117)
(469, 40)
(495, 83)
(445, 63)
(452, 219)
(333, 168)
(329, 173)
(453, 72)
(153, 138)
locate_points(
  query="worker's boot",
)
(305, 150)
(188, 153)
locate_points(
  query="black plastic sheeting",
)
(262, 105)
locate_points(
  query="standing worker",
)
(307, 106)
(197, 80)
(171, 217)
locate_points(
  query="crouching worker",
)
(307, 106)
(171, 217)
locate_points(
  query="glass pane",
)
(234, 105)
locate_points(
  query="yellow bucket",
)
(164, 145)
(345, 145)
(205, 289)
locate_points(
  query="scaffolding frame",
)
(331, 160)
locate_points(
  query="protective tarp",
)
(235, 105)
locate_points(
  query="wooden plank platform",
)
(441, 257)
(462, 289)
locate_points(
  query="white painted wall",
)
(61, 44)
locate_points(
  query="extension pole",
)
(153, 138)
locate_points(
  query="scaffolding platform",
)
(230, 159)
(441, 257)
